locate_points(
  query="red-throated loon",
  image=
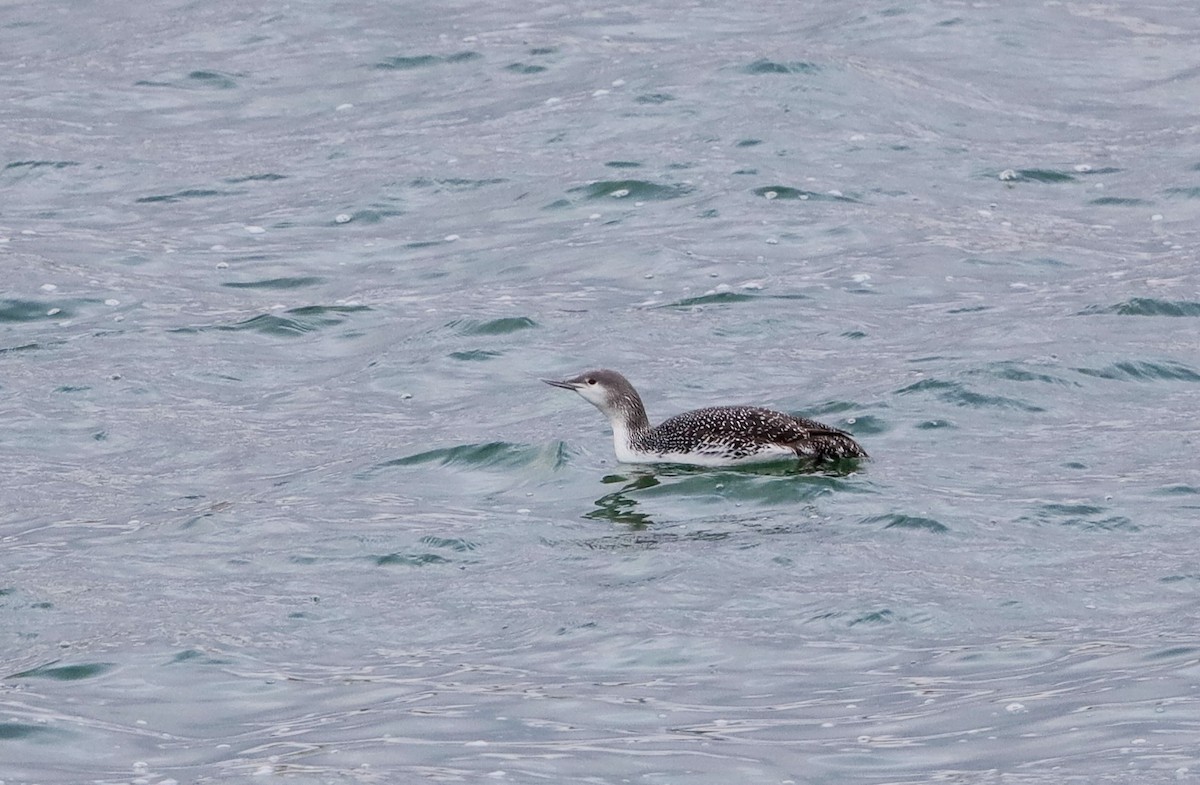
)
(717, 436)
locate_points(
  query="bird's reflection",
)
(617, 506)
(620, 506)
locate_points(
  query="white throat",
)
(623, 440)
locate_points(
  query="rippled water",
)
(285, 497)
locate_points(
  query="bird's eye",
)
(591, 381)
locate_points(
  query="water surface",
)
(284, 496)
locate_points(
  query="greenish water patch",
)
(291, 323)
(1172, 653)
(489, 455)
(1186, 193)
(198, 657)
(504, 326)
(188, 193)
(524, 68)
(265, 177)
(377, 214)
(404, 559)
(765, 66)
(41, 165)
(884, 616)
(749, 143)
(654, 98)
(1146, 306)
(1143, 371)
(32, 311)
(298, 321)
(407, 63)
(475, 355)
(638, 190)
(717, 298)
(451, 543)
(829, 407)
(901, 521)
(425, 558)
(864, 424)
(622, 164)
(456, 183)
(1178, 490)
(1119, 201)
(13, 731)
(787, 192)
(959, 395)
(1013, 372)
(66, 672)
(933, 425)
(1038, 175)
(1083, 516)
(295, 282)
(211, 80)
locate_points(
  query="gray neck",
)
(629, 411)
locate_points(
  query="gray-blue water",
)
(282, 495)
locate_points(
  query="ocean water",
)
(283, 497)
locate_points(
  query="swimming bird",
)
(716, 436)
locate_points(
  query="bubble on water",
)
(255, 229)
(1083, 167)
(49, 287)
(598, 93)
(343, 218)
(620, 193)
(1008, 174)
(343, 107)
(771, 195)
(112, 301)
(1015, 708)
(222, 265)
(54, 311)
(451, 238)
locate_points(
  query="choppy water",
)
(283, 496)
